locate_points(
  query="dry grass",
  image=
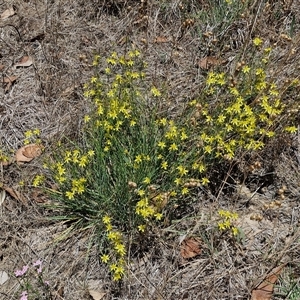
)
(48, 96)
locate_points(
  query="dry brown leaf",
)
(209, 61)
(38, 196)
(1, 67)
(190, 247)
(25, 61)
(265, 290)
(161, 39)
(8, 81)
(28, 153)
(7, 13)
(15, 194)
(96, 295)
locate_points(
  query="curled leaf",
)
(28, 153)
(25, 61)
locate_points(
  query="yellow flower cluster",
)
(71, 160)
(244, 113)
(113, 107)
(118, 248)
(38, 180)
(227, 219)
(32, 136)
(143, 160)
(77, 187)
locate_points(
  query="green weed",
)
(134, 161)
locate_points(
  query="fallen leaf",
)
(28, 153)
(15, 194)
(38, 196)
(3, 277)
(7, 13)
(96, 295)
(161, 39)
(9, 81)
(25, 61)
(209, 61)
(2, 67)
(265, 290)
(190, 247)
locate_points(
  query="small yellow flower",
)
(36, 131)
(147, 180)
(182, 170)
(291, 129)
(221, 226)
(257, 41)
(142, 228)
(106, 219)
(105, 258)
(155, 92)
(158, 216)
(235, 231)
(38, 180)
(205, 181)
(184, 191)
(132, 123)
(164, 165)
(173, 147)
(87, 118)
(138, 159)
(163, 121)
(113, 267)
(120, 248)
(141, 193)
(70, 195)
(246, 69)
(91, 153)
